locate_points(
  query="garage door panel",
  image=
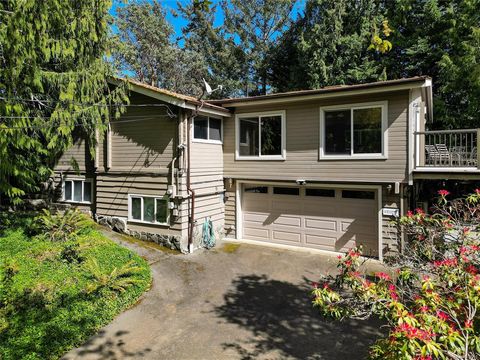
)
(257, 205)
(320, 224)
(322, 209)
(257, 234)
(292, 237)
(285, 220)
(255, 217)
(326, 242)
(288, 207)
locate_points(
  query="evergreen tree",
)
(144, 46)
(329, 45)
(255, 25)
(441, 39)
(219, 51)
(53, 83)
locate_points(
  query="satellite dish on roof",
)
(207, 87)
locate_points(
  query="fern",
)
(61, 227)
(118, 280)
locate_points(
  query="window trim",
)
(83, 180)
(207, 141)
(282, 156)
(154, 197)
(373, 156)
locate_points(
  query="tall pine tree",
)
(53, 82)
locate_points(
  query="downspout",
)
(190, 191)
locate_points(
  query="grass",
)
(54, 295)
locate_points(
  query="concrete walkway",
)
(233, 302)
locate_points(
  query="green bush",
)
(57, 226)
(55, 294)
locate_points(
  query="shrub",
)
(430, 298)
(62, 227)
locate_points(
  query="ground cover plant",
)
(60, 280)
(430, 299)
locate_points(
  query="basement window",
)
(77, 190)
(207, 129)
(148, 209)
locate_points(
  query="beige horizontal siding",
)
(77, 157)
(302, 145)
(112, 198)
(390, 233)
(230, 213)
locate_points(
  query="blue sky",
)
(179, 22)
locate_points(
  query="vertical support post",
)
(109, 146)
(478, 148)
(97, 149)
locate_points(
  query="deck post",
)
(478, 149)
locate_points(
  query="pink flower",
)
(410, 213)
(314, 284)
(442, 316)
(382, 276)
(443, 192)
(420, 211)
(477, 191)
(471, 270)
(325, 286)
(423, 308)
(468, 324)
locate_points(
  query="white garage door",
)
(321, 218)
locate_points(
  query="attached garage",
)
(326, 218)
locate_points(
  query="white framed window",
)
(148, 209)
(207, 129)
(77, 190)
(355, 131)
(261, 136)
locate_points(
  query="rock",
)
(35, 204)
(118, 224)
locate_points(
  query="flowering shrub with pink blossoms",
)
(430, 295)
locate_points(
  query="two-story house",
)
(324, 169)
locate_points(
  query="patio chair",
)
(472, 159)
(444, 154)
(432, 154)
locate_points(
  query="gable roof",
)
(180, 100)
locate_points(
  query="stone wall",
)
(119, 224)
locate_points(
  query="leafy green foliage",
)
(46, 302)
(430, 297)
(53, 80)
(119, 279)
(59, 226)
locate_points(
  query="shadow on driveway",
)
(282, 320)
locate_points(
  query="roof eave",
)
(181, 103)
(406, 84)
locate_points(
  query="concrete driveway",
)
(232, 302)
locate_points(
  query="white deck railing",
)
(447, 149)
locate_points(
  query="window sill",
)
(260, 158)
(364, 157)
(148, 223)
(76, 202)
(204, 141)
